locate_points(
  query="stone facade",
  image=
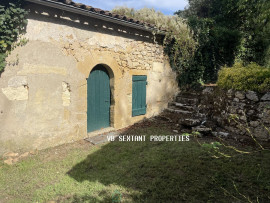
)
(43, 91)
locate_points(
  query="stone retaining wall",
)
(241, 113)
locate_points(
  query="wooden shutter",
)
(139, 95)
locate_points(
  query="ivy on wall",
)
(12, 24)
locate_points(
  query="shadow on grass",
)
(88, 198)
(150, 171)
(168, 171)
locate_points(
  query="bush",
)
(252, 77)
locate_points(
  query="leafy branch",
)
(12, 24)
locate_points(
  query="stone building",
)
(82, 70)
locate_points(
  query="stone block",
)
(239, 95)
(251, 95)
(261, 133)
(266, 97)
(208, 90)
(254, 124)
(158, 67)
(16, 93)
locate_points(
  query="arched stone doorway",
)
(99, 98)
(115, 74)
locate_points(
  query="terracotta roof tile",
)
(79, 5)
(67, 1)
(103, 12)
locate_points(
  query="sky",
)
(167, 7)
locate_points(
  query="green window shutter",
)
(139, 95)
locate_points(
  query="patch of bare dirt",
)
(60, 152)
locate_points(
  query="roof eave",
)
(92, 14)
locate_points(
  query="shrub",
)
(252, 77)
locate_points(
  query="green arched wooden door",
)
(98, 99)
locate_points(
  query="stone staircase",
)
(187, 113)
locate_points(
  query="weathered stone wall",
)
(215, 112)
(238, 113)
(43, 91)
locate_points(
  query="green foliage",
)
(12, 25)
(253, 77)
(255, 26)
(228, 30)
(215, 30)
(214, 50)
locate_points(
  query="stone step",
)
(202, 129)
(181, 106)
(190, 122)
(179, 111)
(186, 101)
(102, 137)
(186, 114)
(221, 134)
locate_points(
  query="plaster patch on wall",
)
(17, 81)
(66, 94)
(158, 67)
(42, 69)
(16, 93)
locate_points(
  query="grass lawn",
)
(138, 172)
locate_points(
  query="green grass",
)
(140, 171)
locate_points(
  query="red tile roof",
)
(98, 11)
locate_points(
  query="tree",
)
(211, 21)
(228, 30)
